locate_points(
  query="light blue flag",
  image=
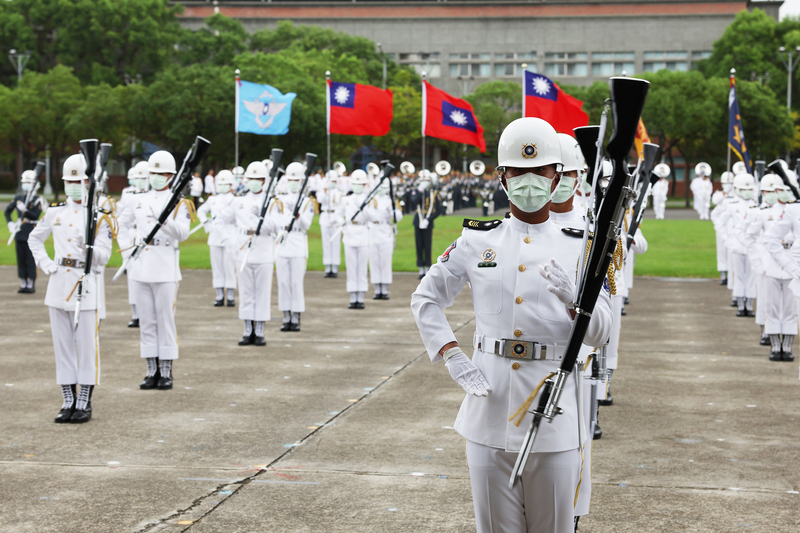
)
(262, 109)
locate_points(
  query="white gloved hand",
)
(11, 227)
(469, 376)
(52, 268)
(21, 206)
(424, 223)
(207, 226)
(757, 265)
(561, 284)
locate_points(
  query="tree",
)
(218, 43)
(496, 104)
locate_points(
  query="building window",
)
(578, 55)
(577, 69)
(555, 69)
(696, 55)
(655, 66)
(608, 68)
(555, 55)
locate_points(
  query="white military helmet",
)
(358, 177)
(74, 168)
(130, 174)
(771, 182)
(295, 171)
(726, 178)
(332, 175)
(425, 174)
(224, 177)
(702, 169)
(256, 169)
(608, 168)
(662, 170)
(744, 181)
(571, 154)
(237, 172)
(28, 176)
(161, 162)
(739, 168)
(529, 142)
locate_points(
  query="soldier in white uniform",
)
(701, 189)
(255, 277)
(220, 236)
(291, 257)
(381, 240)
(126, 236)
(238, 180)
(562, 210)
(720, 199)
(744, 287)
(77, 351)
(131, 188)
(156, 271)
(356, 240)
(330, 198)
(522, 271)
(661, 190)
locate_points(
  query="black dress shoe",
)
(775, 356)
(723, 281)
(134, 323)
(31, 290)
(21, 290)
(334, 274)
(231, 303)
(741, 312)
(353, 305)
(285, 326)
(294, 326)
(81, 416)
(626, 302)
(384, 296)
(150, 383)
(260, 341)
(377, 297)
(608, 401)
(164, 383)
(421, 276)
(734, 303)
(359, 305)
(788, 357)
(748, 312)
(247, 339)
(328, 274)
(623, 312)
(218, 303)
(764, 341)
(64, 415)
(597, 432)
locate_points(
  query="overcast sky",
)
(790, 7)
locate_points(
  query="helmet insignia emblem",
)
(73, 172)
(529, 151)
(157, 165)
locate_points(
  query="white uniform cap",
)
(332, 175)
(570, 153)
(771, 182)
(608, 168)
(358, 177)
(238, 171)
(739, 168)
(529, 142)
(74, 168)
(161, 162)
(662, 170)
(744, 181)
(295, 171)
(726, 177)
(256, 169)
(224, 177)
(28, 176)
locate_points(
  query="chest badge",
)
(57, 221)
(487, 259)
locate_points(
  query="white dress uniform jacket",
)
(776, 238)
(330, 199)
(220, 241)
(356, 242)
(511, 301)
(381, 238)
(296, 242)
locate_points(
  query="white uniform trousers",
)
(291, 271)
(659, 206)
(744, 283)
(380, 262)
(703, 208)
(131, 290)
(223, 268)
(543, 501)
(100, 279)
(731, 268)
(255, 292)
(355, 259)
(759, 298)
(155, 303)
(331, 249)
(722, 254)
(780, 313)
(612, 354)
(77, 352)
(585, 488)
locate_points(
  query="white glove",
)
(21, 207)
(11, 227)
(424, 223)
(207, 226)
(757, 265)
(562, 286)
(52, 268)
(466, 374)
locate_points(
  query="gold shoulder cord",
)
(610, 273)
(189, 207)
(112, 222)
(316, 205)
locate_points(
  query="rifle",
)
(89, 150)
(275, 172)
(310, 159)
(192, 159)
(387, 169)
(650, 152)
(777, 168)
(38, 170)
(391, 199)
(627, 101)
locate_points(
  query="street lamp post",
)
(19, 60)
(384, 63)
(790, 65)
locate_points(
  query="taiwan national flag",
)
(355, 109)
(544, 99)
(449, 118)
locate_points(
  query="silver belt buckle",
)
(514, 349)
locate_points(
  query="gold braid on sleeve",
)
(610, 273)
(189, 207)
(113, 225)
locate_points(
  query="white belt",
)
(247, 231)
(518, 349)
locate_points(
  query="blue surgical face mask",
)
(158, 181)
(564, 190)
(74, 191)
(294, 186)
(770, 197)
(529, 192)
(746, 194)
(358, 188)
(27, 186)
(784, 196)
(141, 183)
(254, 186)
(223, 188)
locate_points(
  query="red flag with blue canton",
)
(545, 100)
(449, 118)
(355, 109)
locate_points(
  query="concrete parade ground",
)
(347, 426)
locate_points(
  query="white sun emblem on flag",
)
(540, 86)
(458, 118)
(342, 95)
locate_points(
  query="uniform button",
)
(527, 240)
(69, 255)
(70, 225)
(519, 299)
(522, 268)
(515, 366)
(67, 270)
(69, 240)
(518, 333)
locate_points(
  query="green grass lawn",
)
(677, 248)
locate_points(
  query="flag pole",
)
(424, 116)
(733, 82)
(328, 112)
(236, 122)
(524, 68)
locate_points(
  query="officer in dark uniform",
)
(27, 216)
(426, 206)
